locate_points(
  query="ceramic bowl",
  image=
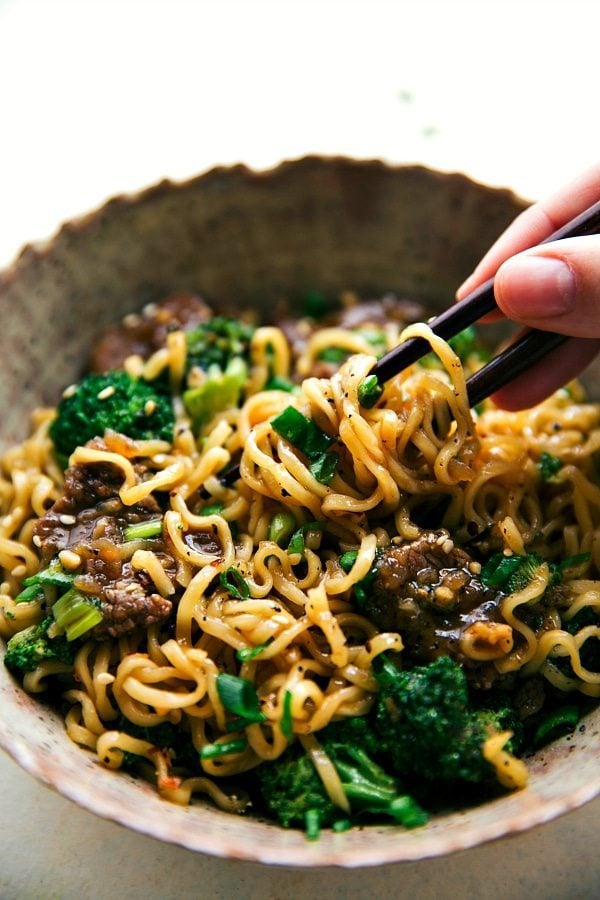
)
(244, 239)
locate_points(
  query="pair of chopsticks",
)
(520, 356)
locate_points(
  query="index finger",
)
(535, 224)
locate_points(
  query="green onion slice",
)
(143, 531)
(224, 748)
(286, 722)
(239, 697)
(232, 580)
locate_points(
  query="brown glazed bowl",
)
(244, 239)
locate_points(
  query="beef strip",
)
(89, 519)
(144, 334)
(428, 591)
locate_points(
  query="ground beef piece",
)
(89, 509)
(89, 519)
(428, 591)
(145, 333)
(128, 603)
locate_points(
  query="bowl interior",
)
(246, 240)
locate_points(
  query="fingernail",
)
(465, 287)
(535, 287)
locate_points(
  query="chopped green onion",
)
(279, 383)
(29, 593)
(323, 467)
(212, 509)
(247, 654)
(369, 391)
(333, 354)
(211, 751)
(232, 580)
(76, 614)
(348, 559)
(143, 531)
(53, 575)
(302, 537)
(571, 562)
(312, 824)
(309, 439)
(499, 568)
(281, 527)
(302, 432)
(239, 696)
(286, 722)
(549, 465)
(558, 723)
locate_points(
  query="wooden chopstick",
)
(472, 308)
(517, 358)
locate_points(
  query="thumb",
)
(555, 287)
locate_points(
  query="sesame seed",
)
(37, 541)
(474, 568)
(66, 519)
(69, 559)
(448, 546)
(149, 407)
(106, 392)
(105, 678)
(70, 390)
(131, 320)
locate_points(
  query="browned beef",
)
(89, 520)
(91, 497)
(428, 591)
(143, 334)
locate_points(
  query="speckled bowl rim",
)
(205, 829)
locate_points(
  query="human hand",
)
(555, 287)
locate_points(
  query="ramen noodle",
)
(392, 532)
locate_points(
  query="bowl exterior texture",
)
(246, 240)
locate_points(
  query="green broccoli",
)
(113, 400)
(295, 794)
(217, 342)
(28, 648)
(221, 389)
(221, 349)
(425, 720)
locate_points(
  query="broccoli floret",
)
(292, 789)
(221, 349)
(295, 794)
(28, 648)
(116, 401)
(217, 342)
(220, 390)
(425, 720)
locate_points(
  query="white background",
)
(105, 96)
(98, 98)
